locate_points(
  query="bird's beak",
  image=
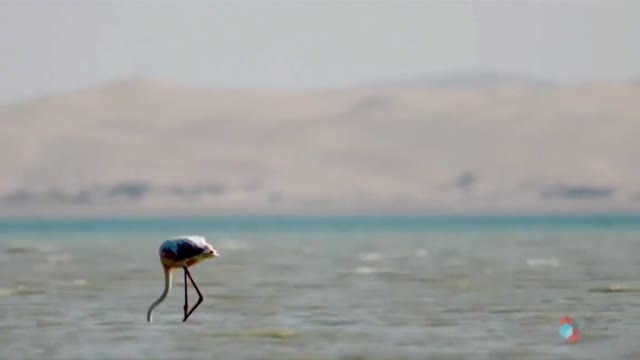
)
(214, 253)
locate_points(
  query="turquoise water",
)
(457, 223)
(324, 288)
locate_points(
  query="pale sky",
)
(52, 46)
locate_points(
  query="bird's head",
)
(211, 252)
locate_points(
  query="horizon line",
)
(427, 81)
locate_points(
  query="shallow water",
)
(349, 292)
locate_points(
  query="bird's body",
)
(182, 252)
(185, 251)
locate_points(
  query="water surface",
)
(357, 288)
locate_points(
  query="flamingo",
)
(182, 252)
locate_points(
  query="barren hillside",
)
(145, 146)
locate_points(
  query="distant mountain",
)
(144, 146)
(465, 80)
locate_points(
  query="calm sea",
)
(324, 288)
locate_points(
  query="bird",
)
(182, 252)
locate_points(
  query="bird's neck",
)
(167, 289)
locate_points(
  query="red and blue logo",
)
(569, 330)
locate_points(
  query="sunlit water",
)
(357, 290)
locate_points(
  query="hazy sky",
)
(50, 46)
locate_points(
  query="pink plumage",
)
(185, 250)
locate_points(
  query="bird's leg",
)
(186, 298)
(200, 297)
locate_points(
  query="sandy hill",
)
(145, 146)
